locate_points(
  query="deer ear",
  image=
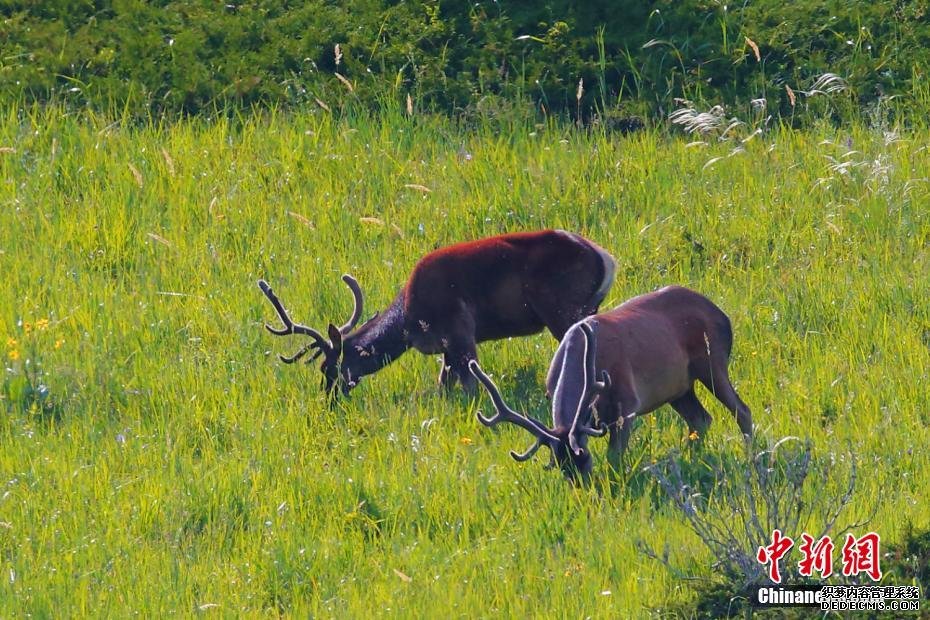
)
(335, 338)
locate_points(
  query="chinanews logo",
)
(858, 556)
(787, 596)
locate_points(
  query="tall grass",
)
(157, 458)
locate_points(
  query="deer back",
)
(497, 280)
(652, 344)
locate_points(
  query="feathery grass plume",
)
(826, 84)
(713, 121)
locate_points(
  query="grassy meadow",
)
(158, 458)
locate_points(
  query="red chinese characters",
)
(817, 556)
(859, 555)
(774, 552)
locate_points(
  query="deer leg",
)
(618, 440)
(694, 413)
(621, 425)
(608, 415)
(456, 360)
(715, 378)
(458, 348)
(617, 413)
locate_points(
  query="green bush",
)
(190, 56)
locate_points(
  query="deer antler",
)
(352, 283)
(290, 327)
(592, 388)
(543, 435)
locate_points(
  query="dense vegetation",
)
(158, 458)
(632, 58)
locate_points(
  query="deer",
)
(627, 362)
(508, 285)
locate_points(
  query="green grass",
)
(170, 463)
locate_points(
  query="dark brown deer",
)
(509, 285)
(625, 363)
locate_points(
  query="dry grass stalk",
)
(755, 48)
(210, 209)
(168, 161)
(303, 220)
(136, 174)
(345, 81)
(419, 188)
(158, 238)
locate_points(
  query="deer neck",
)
(377, 343)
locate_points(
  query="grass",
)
(158, 458)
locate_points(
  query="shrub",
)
(734, 505)
(189, 56)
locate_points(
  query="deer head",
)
(329, 348)
(576, 392)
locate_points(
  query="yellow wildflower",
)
(27, 327)
(465, 441)
(11, 342)
(13, 354)
(693, 436)
(41, 323)
(58, 343)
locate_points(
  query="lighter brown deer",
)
(627, 362)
